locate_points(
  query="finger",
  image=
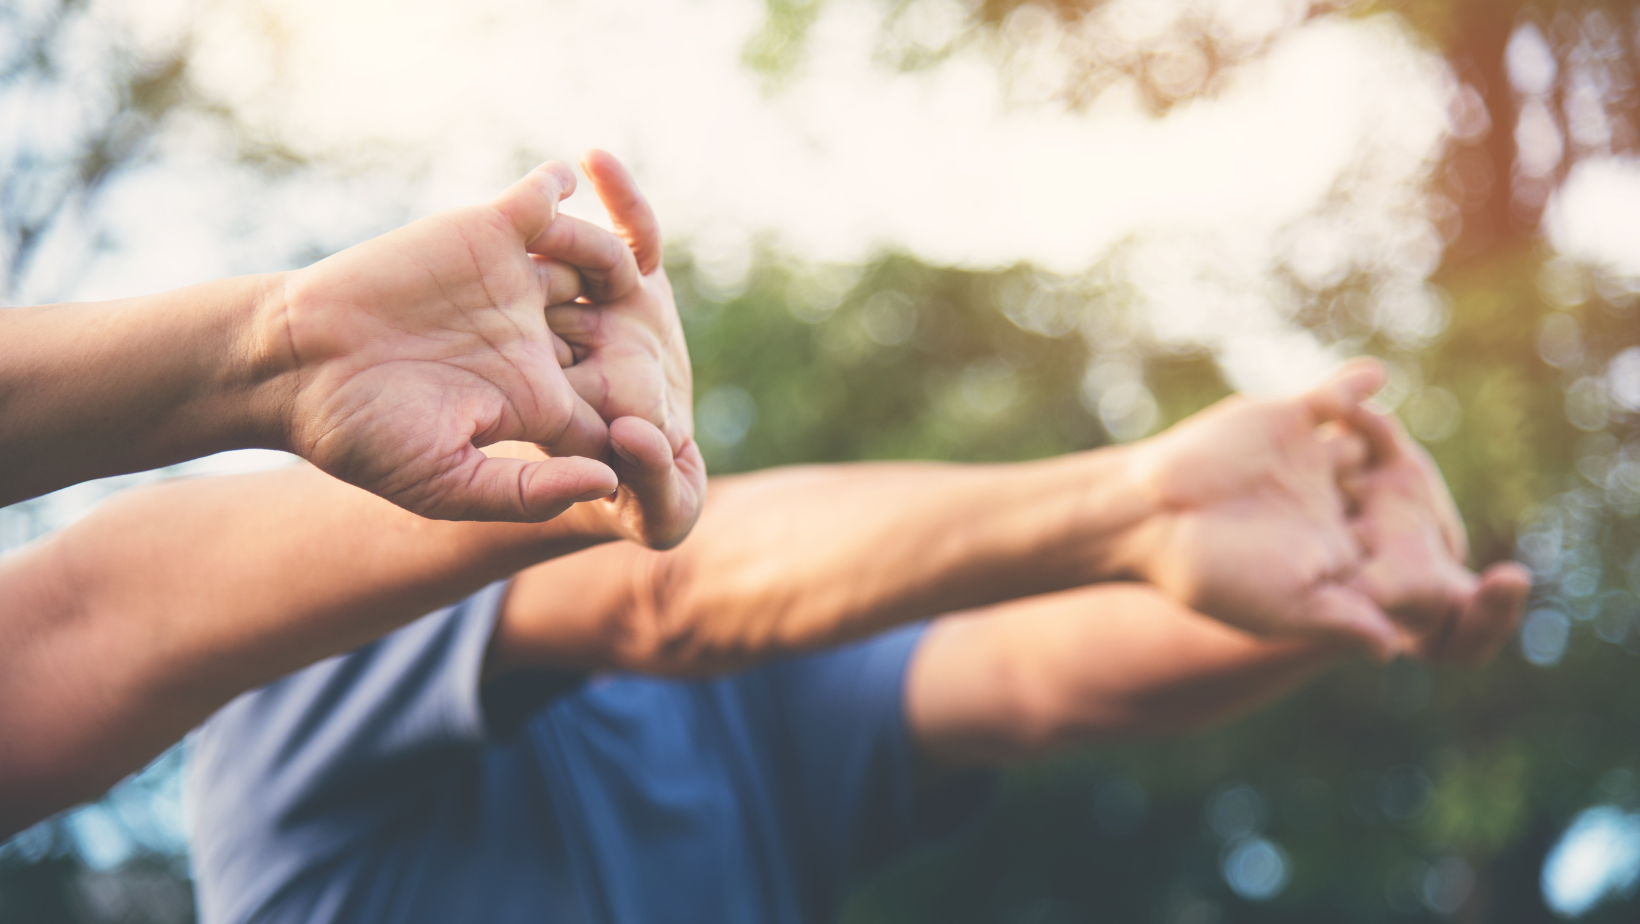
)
(562, 351)
(1345, 389)
(1492, 615)
(531, 204)
(606, 263)
(1421, 597)
(1390, 443)
(586, 434)
(1338, 612)
(628, 209)
(591, 382)
(517, 491)
(1380, 433)
(1346, 450)
(559, 280)
(647, 467)
(578, 323)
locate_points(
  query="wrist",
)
(266, 371)
(1112, 522)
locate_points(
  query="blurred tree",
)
(1400, 795)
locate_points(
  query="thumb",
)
(518, 491)
(531, 204)
(1334, 611)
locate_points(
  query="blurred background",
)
(988, 230)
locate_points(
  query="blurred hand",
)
(628, 360)
(1252, 527)
(413, 349)
(1415, 548)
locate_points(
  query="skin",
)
(114, 647)
(163, 655)
(765, 571)
(386, 365)
(630, 363)
(1117, 662)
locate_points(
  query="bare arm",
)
(1235, 512)
(1118, 662)
(790, 559)
(88, 390)
(123, 631)
(1091, 665)
(386, 365)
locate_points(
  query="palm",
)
(418, 345)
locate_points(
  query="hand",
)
(1415, 548)
(1252, 527)
(411, 350)
(630, 363)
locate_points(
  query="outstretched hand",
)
(628, 360)
(1252, 528)
(413, 349)
(1318, 516)
(1415, 550)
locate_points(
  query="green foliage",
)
(893, 360)
(1370, 780)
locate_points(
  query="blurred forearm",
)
(123, 631)
(1089, 665)
(791, 559)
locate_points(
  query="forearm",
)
(123, 631)
(1091, 665)
(95, 389)
(795, 558)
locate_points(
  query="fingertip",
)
(531, 204)
(639, 442)
(630, 211)
(1345, 389)
(1506, 586)
(562, 176)
(597, 160)
(560, 482)
(1490, 616)
(1365, 375)
(1511, 574)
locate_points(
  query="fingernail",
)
(565, 176)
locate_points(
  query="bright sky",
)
(436, 104)
(423, 104)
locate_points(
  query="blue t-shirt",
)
(385, 786)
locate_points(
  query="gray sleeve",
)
(287, 777)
